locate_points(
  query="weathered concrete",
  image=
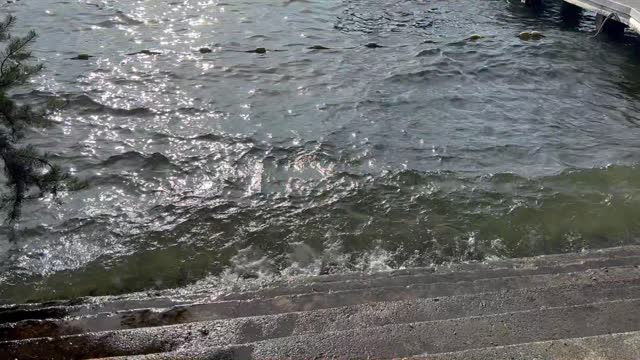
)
(477, 309)
(458, 334)
(91, 306)
(622, 346)
(435, 337)
(625, 346)
(236, 331)
(434, 277)
(301, 302)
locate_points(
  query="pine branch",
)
(29, 173)
(30, 155)
(5, 26)
(14, 51)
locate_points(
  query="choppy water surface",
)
(302, 161)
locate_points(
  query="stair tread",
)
(303, 284)
(454, 310)
(451, 335)
(534, 261)
(406, 279)
(620, 346)
(617, 346)
(236, 331)
(87, 309)
(454, 337)
(304, 302)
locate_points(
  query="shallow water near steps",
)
(214, 165)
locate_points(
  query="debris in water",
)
(318, 47)
(145, 52)
(536, 35)
(258, 51)
(82, 57)
(530, 35)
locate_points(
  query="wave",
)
(133, 159)
(345, 222)
(88, 106)
(366, 18)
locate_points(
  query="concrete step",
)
(513, 263)
(82, 307)
(395, 279)
(624, 346)
(300, 285)
(304, 302)
(245, 330)
(469, 309)
(440, 336)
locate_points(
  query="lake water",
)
(235, 166)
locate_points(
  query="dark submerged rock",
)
(530, 35)
(474, 37)
(82, 57)
(145, 52)
(258, 51)
(536, 35)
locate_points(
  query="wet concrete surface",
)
(414, 312)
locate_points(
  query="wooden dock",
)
(613, 16)
(626, 12)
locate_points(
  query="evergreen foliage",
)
(29, 174)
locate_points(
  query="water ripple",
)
(247, 140)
